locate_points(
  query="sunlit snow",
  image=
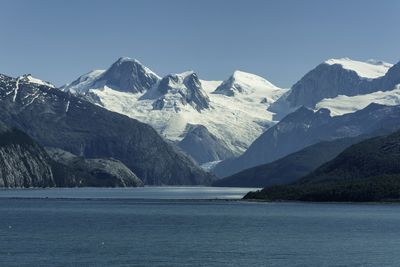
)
(370, 69)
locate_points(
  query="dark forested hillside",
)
(367, 171)
(290, 168)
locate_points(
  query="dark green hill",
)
(367, 171)
(290, 168)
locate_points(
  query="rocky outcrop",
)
(23, 163)
(177, 90)
(95, 172)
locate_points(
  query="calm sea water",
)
(117, 230)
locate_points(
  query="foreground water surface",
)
(106, 227)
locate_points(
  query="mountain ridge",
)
(58, 119)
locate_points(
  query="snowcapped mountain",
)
(173, 104)
(57, 119)
(125, 75)
(305, 127)
(336, 77)
(229, 115)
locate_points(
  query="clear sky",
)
(280, 40)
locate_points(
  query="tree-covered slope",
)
(367, 171)
(290, 168)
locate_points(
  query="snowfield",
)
(371, 69)
(348, 104)
(238, 120)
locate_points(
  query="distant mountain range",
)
(243, 128)
(304, 127)
(312, 122)
(233, 112)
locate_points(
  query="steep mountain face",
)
(175, 90)
(367, 171)
(177, 101)
(203, 146)
(306, 127)
(57, 119)
(125, 75)
(23, 163)
(94, 172)
(337, 77)
(289, 168)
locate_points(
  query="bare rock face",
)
(23, 163)
(128, 75)
(94, 172)
(177, 90)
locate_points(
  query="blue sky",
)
(279, 40)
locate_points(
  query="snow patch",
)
(29, 78)
(67, 108)
(16, 89)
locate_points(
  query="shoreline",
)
(154, 200)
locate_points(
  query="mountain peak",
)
(125, 59)
(133, 64)
(30, 79)
(125, 75)
(180, 89)
(245, 83)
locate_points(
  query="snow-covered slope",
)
(179, 100)
(175, 91)
(29, 78)
(83, 83)
(348, 104)
(236, 120)
(370, 69)
(243, 83)
(336, 77)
